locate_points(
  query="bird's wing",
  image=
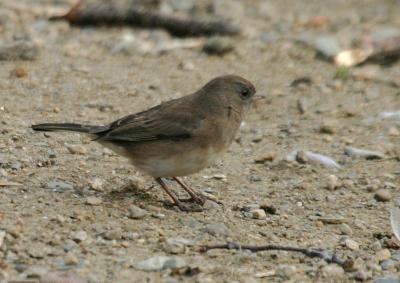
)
(173, 120)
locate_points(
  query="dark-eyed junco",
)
(178, 137)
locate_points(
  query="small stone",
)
(93, 200)
(345, 229)
(388, 264)
(21, 49)
(219, 177)
(70, 259)
(217, 229)
(362, 275)
(157, 263)
(19, 72)
(333, 220)
(332, 271)
(268, 157)
(2, 236)
(383, 195)
(259, 214)
(79, 236)
(77, 149)
(333, 182)
(394, 132)
(59, 186)
(135, 183)
(136, 212)
(96, 184)
(376, 246)
(351, 244)
(286, 271)
(383, 255)
(36, 271)
(61, 277)
(328, 127)
(218, 46)
(389, 279)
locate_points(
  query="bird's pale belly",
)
(177, 165)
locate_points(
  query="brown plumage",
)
(178, 137)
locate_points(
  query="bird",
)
(178, 137)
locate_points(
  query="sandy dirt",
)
(84, 226)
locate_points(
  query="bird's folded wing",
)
(163, 122)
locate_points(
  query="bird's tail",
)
(67, 127)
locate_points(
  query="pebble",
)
(77, 149)
(217, 229)
(21, 49)
(376, 246)
(96, 184)
(367, 154)
(383, 195)
(19, 72)
(388, 264)
(259, 214)
(36, 271)
(333, 220)
(383, 255)
(136, 212)
(157, 263)
(268, 157)
(388, 279)
(2, 236)
(71, 259)
(59, 186)
(79, 236)
(61, 277)
(135, 183)
(93, 200)
(394, 132)
(345, 229)
(351, 244)
(328, 127)
(286, 271)
(362, 275)
(218, 46)
(333, 182)
(332, 271)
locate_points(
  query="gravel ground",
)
(62, 212)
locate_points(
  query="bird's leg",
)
(177, 202)
(195, 196)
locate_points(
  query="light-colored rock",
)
(259, 214)
(332, 271)
(351, 244)
(383, 255)
(136, 212)
(157, 263)
(92, 200)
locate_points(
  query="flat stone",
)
(59, 186)
(352, 245)
(217, 229)
(93, 200)
(383, 255)
(136, 212)
(157, 263)
(332, 271)
(383, 195)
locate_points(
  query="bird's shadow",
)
(126, 192)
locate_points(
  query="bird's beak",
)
(259, 97)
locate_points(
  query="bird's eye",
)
(245, 92)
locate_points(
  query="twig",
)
(319, 253)
(112, 14)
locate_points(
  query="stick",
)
(116, 15)
(318, 253)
